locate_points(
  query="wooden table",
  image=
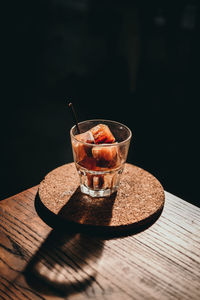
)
(38, 262)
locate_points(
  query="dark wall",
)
(134, 62)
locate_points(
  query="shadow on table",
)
(62, 265)
(67, 261)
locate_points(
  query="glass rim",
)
(103, 144)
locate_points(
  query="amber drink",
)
(100, 152)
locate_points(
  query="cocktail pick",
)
(74, 115)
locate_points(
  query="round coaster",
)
(140, 196)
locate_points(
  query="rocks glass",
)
(100, 152)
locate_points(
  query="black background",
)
(133, 62)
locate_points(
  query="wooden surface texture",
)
(39, 262)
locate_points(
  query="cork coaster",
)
(140, 196)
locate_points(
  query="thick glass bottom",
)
(97, 193)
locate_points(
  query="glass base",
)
(97, 193)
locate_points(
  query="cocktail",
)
(100, 149)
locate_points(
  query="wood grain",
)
(38, 262)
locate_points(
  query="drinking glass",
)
(100, 165)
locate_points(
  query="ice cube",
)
(106, 156)
(81, 150)
(102, 134)
(85, 137)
